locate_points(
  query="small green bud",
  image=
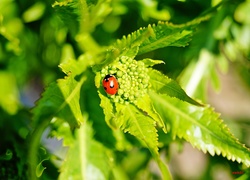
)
(112, 71)
(123, 59)
(121, 91)
(145, 81)
(114, 68)
(131, 98)
(141, 75)
(140, 63)
(130, 60)
(126, 95)
(139, 69)
(116, 100)
(124, 77)
(119, 73)
(121, 101)
(137, 94)
(133, 68)
(103, 70)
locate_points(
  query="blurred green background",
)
(34, 40)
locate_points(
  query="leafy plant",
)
(149, 111)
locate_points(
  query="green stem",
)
(33, 148)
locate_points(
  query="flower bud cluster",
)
(132, 78)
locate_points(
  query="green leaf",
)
(61, 130)
(166, 34)
(144, 103)
(99, 12)
(86, 158)
(90, 102)
(164, 169)
(88, 15)
(133, 40)
(110, 119)
(108, 110)
(164, 85)
(158, 36)
(76, 67)
(200, 126)
(40, 168)
(61, 99)
(151, 62)
(113, 53)
(69, 12)
(151, 38)
(131, 120)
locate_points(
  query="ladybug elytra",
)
(110, 84)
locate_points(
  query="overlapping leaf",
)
(158, 36)
(202, 127)
(131, 120)
(61, 99)
(86, 158)
(88, 15)
(164, 85)
(144, 103)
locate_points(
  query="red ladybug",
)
(110, 84)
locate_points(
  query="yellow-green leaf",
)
(200, 126)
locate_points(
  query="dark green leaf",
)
(164, 85)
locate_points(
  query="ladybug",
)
(110, 84)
